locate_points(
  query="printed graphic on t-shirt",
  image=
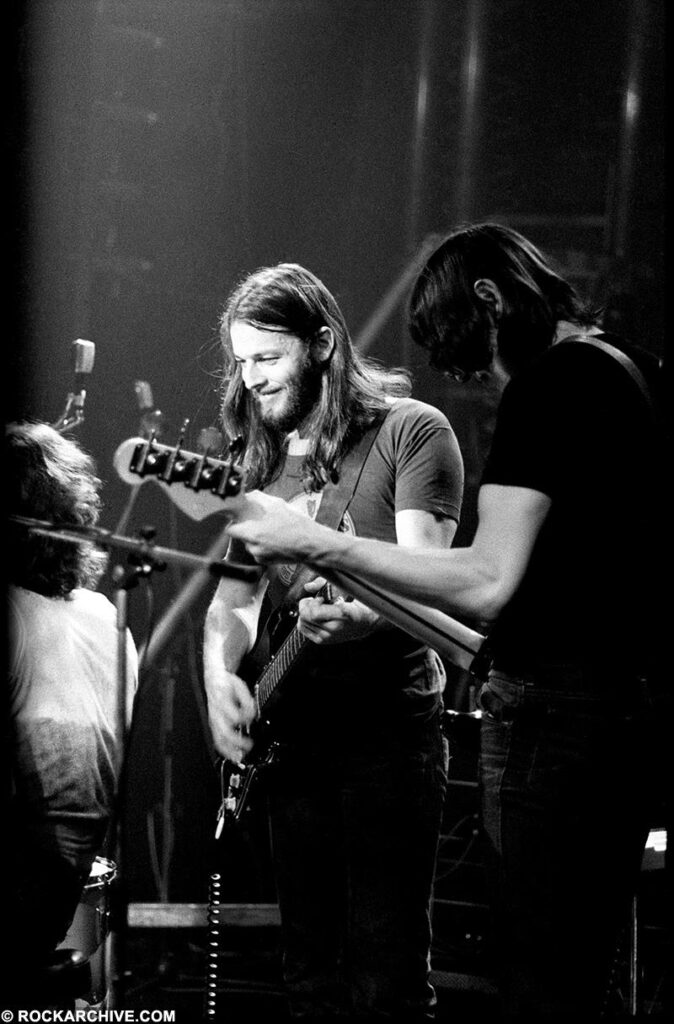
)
(308, 504)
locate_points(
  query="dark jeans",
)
(354, 835)
(566, 784)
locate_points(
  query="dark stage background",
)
(158, 151)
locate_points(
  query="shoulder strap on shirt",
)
(337, 497)
(620, 357)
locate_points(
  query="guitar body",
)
(278, 649)
(242, 778)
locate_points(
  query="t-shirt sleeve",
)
(428, 463)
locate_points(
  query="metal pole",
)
(630, 116)
(634, 959)
(464, 197)
(420, 123)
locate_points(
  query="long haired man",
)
(356, 798)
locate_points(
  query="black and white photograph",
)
(336, 460)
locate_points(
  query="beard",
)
(295, 403)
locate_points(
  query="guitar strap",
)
(336, 498)
(620, 357)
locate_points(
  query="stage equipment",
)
(90, 933)
(73, 414)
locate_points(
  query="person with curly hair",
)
(63, 725)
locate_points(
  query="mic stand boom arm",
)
(143, 549)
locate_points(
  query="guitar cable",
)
(212, 947)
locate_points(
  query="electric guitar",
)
(237, 780)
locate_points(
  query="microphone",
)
(73, 414)
(85, 352)
(151, 425)
(151, 419)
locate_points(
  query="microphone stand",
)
(144, 558)
(73, 414)
(144, 549)
(124, 581)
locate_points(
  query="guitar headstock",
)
(139, 459)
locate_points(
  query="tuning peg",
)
(236, 447)
(183, 432)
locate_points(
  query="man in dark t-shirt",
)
(574, 426)
(562, 573)
(412, 465)
(356, 796)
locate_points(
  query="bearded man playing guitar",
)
(357, 794)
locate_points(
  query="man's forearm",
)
(446, 579)
(458, 581)
(225, 645)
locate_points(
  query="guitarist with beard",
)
(357, 794)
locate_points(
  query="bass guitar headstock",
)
(207, 480)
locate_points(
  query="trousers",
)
(566, 779)
(354, 829)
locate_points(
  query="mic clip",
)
(73, 414)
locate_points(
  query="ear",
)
(490, 294)
(323, 344)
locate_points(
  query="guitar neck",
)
(278, 668)
(451, 639)
(285, 657)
